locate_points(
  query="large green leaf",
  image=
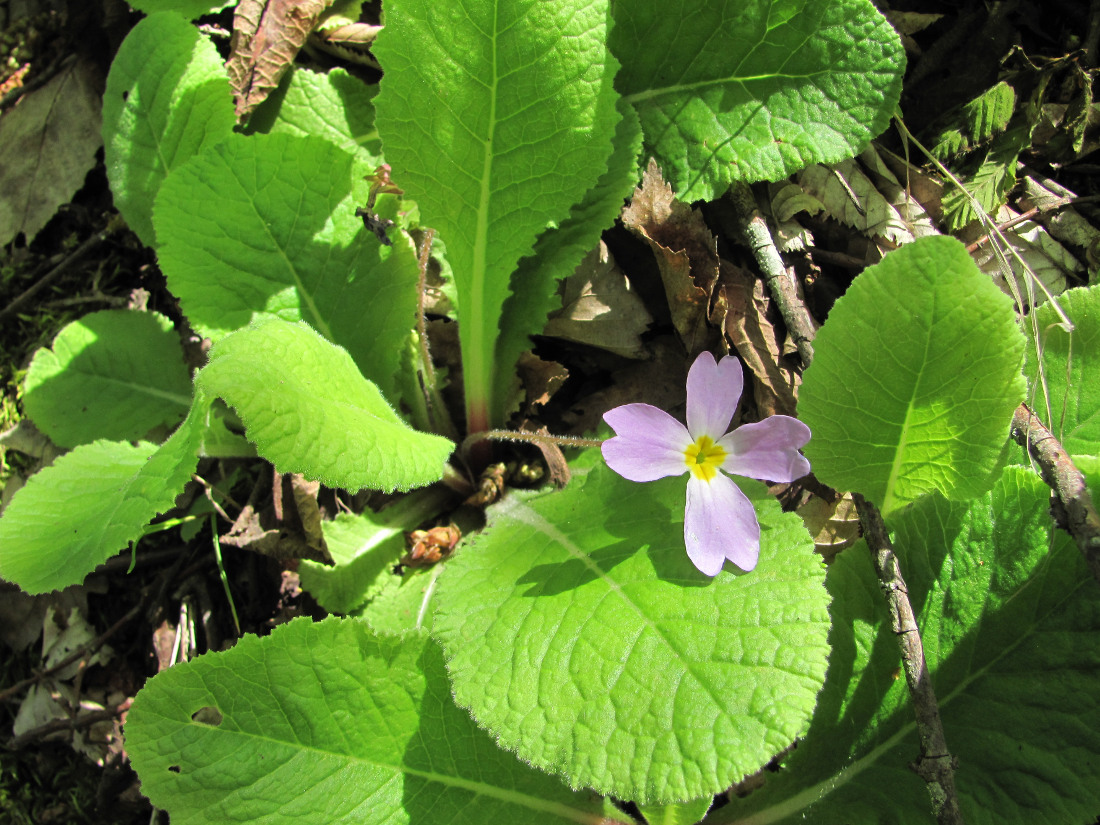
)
(557, 253)
(336, 106)
(916, 375)
(309, 410)
(579, 633)
(1010, 620)
(283, 240)
(328, 723)
(496, 118)
(112, 374)
(167, 97)
(1071, 365)
(91, 503)
(734, 90)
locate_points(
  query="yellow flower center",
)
(704, 457)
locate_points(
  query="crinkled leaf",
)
(267, 35)
(496, 118)
(112, 374)
(677, 813)
(755, 91)
(557, 254)
(1010, 620)
(1071, 363)
(976, 121)
(915, 379)
(91, 503)
(47, 145)
(990, 182)
(335, 106)
(329, 723)
(309, 410)
(577, 630)
(167, 97)
(285, 241)
(405, 602)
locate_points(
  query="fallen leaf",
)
(742, 312)
(599, 308)
(289, 528)
(850, 197)
(686, 252)
(48, 142)
(833, 524)
(267, 35)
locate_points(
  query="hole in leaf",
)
(174, 768)
(207, 716)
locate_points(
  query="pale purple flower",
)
(719, 520)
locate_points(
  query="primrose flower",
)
(719, 520)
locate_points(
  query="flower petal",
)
(767, 450)
(649, 443)
(720, 523)
(713, 390)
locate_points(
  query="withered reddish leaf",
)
(742, 312)
(686, 252)
(267, 35)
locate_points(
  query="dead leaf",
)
(850, 197)
(289, 528)
(743, 312)
(833, 524)
(267, 35)
(48, 142)
(540, 378)
(686, 252)
(599, 309)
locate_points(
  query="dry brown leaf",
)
(833, 524)
(686, 252)
(540, 379)
(48, 142)
(267, 35)
(599, 309)
(289, 528)
(743, 311)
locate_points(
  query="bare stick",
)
(74, 257)
(758, 238)
(936, 766)
(1078, 515)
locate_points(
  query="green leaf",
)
(1009, 617)
(91, 503)
(677, 813)
(167, 97)
(579, 633)
(187, 8)
(731, 90)
(329, 723)
(556, 256)
(309, 410)
(1071, 366)
(113, 374)
(976, 122)
(365, 548)
(335, 106)
(915, 379)
(496, 118)
(990, 183)
(405, 602)
(284, 241)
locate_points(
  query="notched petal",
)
(649, 443)
(767, 450)
(720, 523)
(713, 390)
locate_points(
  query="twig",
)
(74, 257)
(758, 238)
(84, 720)
(81, 652)
(1078, 515)
(936, 766)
